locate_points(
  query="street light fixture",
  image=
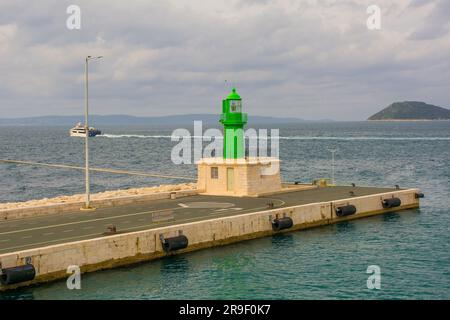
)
(87, 205)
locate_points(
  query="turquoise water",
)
(412, 248)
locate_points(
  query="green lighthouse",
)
(233, 121)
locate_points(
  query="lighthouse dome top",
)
(233, 95)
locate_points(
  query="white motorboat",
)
(80, 131)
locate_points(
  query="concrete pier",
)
(51, 243)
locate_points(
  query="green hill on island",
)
(412, 110)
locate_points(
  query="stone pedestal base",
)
(239, 177)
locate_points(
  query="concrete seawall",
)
(51, 262)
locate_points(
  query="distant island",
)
(411, 110)
(105, 120)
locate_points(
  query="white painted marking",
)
(128, 229)
(96, 234)
(202, 218)
(86, 221)
(227, 209)
(183, 205)
(59, 215)
(26, 237)
(208, 205)
(70, 230)
(88, 227)
(50, 241)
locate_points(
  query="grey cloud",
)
(310, 59)
(436, 24)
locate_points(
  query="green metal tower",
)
(233, 121)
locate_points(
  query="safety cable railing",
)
(115, 171)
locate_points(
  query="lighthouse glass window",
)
(235, 106)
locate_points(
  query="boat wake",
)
(370, 138)
(139, 136)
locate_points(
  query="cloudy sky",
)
(310, 59)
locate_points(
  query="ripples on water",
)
(412, 247)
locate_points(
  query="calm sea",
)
(412, 248)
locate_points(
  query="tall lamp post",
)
(333, 151)
(87, 205)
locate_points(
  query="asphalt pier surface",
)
(27, 233)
